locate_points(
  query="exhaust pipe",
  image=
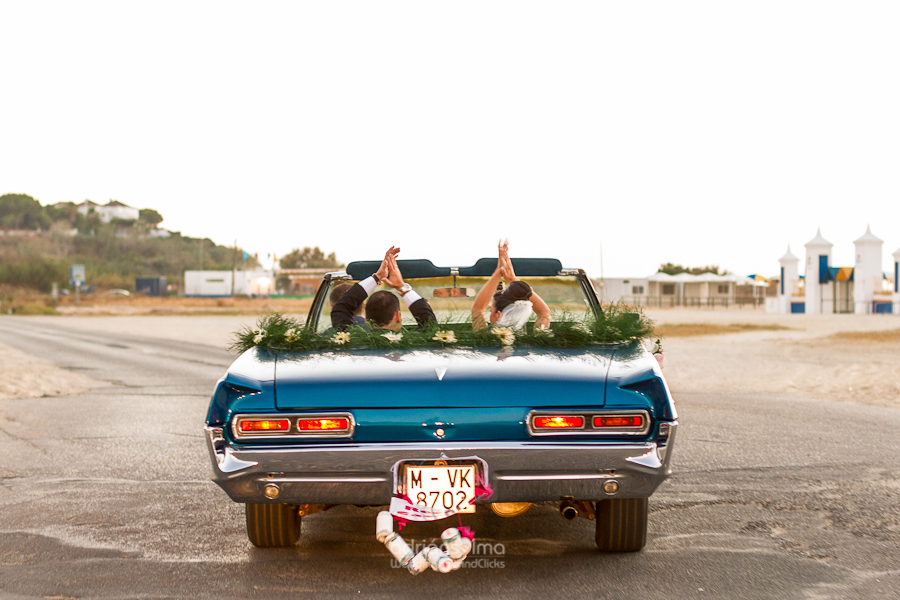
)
(567, 510)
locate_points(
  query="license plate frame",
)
(447, 482)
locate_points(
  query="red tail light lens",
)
(619, 421)
(558, 422)
(264, 425)
(334, 424)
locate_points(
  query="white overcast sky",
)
(691, 132)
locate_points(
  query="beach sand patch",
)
(821, 368)
(26, 376)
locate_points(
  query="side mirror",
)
(454, 292)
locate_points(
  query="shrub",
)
(31, 308)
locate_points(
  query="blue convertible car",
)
(454, 427)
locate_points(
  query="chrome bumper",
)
(347, 473)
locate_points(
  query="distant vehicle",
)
(64, 292)
(591, 428)
(118, 292)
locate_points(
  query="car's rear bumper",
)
(348, 473)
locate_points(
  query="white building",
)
(827, 289)
(218, 284)
(111, 210)
(684, 289)
(818, 260)
(635, 291)
(791, 298)
(867, 273)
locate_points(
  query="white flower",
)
(582, 328)
(291, 335)
(258, 338)
(445, 337)
(506, 335)
(341, 337)
(393, 337)
(545, 331)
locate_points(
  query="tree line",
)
(672, 269)
(21, 211)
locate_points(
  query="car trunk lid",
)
(452, 378)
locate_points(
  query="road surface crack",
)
(24, 440)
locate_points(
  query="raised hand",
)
(505, 263)
(394, 278)
(504, 272)
(502, 249)
(384, 269)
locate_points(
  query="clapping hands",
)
(394, 278)
(384, 270)
(504, 264)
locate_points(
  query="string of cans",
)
(449, 556)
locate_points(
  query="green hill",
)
(39, 243)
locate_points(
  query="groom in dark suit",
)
(383, 307)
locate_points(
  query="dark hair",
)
(381, 307)
(338, 291)
(517, 290)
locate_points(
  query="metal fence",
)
(694, 301)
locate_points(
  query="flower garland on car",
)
(279, 333)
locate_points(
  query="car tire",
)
(621, 524)
(273, 525)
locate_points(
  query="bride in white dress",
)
(513, 306)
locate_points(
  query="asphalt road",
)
(107, 494)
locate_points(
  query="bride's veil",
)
(515, 315)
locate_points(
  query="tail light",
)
(264, 425)
(602, 422)
(293, 426)
(323, 424)
(635, 422)
(558, 422)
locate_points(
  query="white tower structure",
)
(818, 258)
(867, 273)
(896, 288)
(790, 281)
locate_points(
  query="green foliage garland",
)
(280, 333)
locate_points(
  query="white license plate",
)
(442, 487)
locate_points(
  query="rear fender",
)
(230, 397)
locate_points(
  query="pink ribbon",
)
(483, 489)
(401, 522)
(467, 532)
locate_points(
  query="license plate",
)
(442, 487)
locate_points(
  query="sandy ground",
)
(26, 376)
(805, 359)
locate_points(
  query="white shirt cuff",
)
(410, 297)
(369, 284)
